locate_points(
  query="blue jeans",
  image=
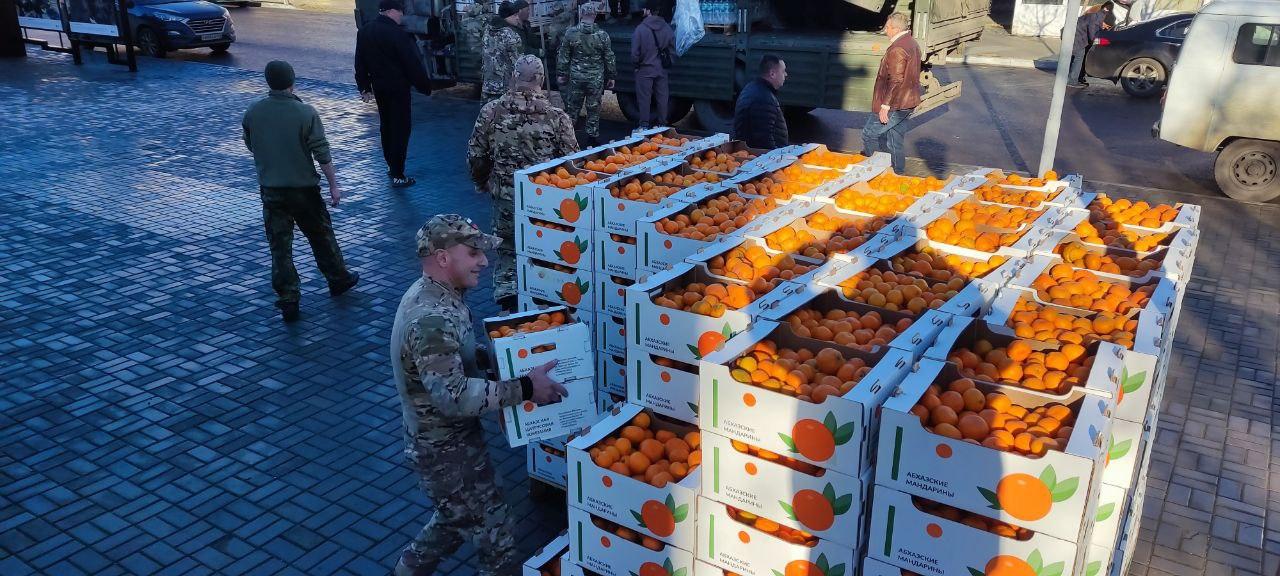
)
(891, 134)
(1077, 63)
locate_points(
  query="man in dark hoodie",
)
(757, 117)
(1087, 28)
(652, 39)
(387, 66)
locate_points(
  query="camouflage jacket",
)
(519, 129)
(433, 360)
(586, 54)
(503, 43)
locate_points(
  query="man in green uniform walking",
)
(285, 135)
(443, 393)
(586, 68)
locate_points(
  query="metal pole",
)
(1054, 122)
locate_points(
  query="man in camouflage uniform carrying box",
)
(586, 68)
(518, 130)
(443, 393)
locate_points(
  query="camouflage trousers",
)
(281, 209)
(458, 476)
(584, 92)
(504, 226)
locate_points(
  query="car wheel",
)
(220, 48)
(1143, 77)
(714, 115)
(1246, 170)
(149, 42)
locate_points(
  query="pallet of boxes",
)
(829, 368)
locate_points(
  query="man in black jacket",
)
(757, 117)
(1093, 21)
(387, 66)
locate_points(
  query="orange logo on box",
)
(749, 399)
(604, 541)
(537, 191)
(934, 530)
(607, 481)
(529, 406)
(664, 319)
(751, 468)
(744, 537)
(943, 451)
(665, 376)
(523, 353)
(666, 244)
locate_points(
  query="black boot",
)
(340, 289)
(288, 311)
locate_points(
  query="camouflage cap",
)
(443, 231)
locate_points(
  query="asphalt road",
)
(998, 120)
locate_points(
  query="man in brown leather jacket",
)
(896, 94)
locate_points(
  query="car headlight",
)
(167, 17)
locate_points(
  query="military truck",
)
(832, 49)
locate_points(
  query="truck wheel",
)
(677, 109)
(714, 115)
(1143, 77)
(796, 113)
(1246, 170)
(627, 104)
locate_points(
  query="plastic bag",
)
(688, 24)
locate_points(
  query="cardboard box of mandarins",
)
(668, 387)
(656, 503)
(610, 334)
(556, 191)
(583, 314)
(915, 534)
(622, 200)
(554, 282)
(611, 373)
(552, 242)
(616, 255)
(752, 545)
(546, 461)
(523, 341)
(611, 294)
(1046, 482)
(552, 559)
(607, 549)
(824, 414)
(527, 421)
(670, 234)
(793, 493)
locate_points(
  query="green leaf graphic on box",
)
(844, 433)
(791, 513)
(1130, 383)
(637, 516)
(976, 572)
(1092, 569)
(1105, 511)
(1049, 477)
(1064, 490)
(1035, 561)
(693, 407)
(1054, 569)
(1118, 451)
(680, 572)
(822, 564)
(694, 350)
(791, 445)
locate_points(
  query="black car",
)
(1139, 56)
(160, 26)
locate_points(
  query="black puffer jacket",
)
(757, 117)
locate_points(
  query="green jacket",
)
(284, 135)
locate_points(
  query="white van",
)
(1224, 95)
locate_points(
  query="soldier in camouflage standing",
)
(586, 68)
(504, 41)
(520, 129)
(443, 393)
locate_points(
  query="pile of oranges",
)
(784, 533)
(1080, 256)
(674, 178)
(1068, 286)
(1036, 322)
(554, 266)
(542, 322)
(847, 236)
(1001, 195)
(648, 191)
(828, 159)
(776, 458)
(626, 156)
(962, 230)
(1134, 213)
(1009, 219)
(719, 215)
(879, 204)
(623, 239)
(899, 291)
(1100, 229)
(550, 225)
(909, 185)
(799, 373)
(859, 331)
(1019, 364)
(669, 363)
(962, 411)
(751, 262)
(934, 265)
(712, 299)
(655, 457)
(1018, 180)
(724, 163)
(971, 520)
(561, 178)
(627, 534)
(787, 182)
(674, 142)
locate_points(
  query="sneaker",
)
(593, 140)
(288, 311)
(411, 565)
(402, 181)
(340, 289)
(1077, 85)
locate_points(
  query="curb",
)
(1041, 64)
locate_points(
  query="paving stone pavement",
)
(156, 417)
